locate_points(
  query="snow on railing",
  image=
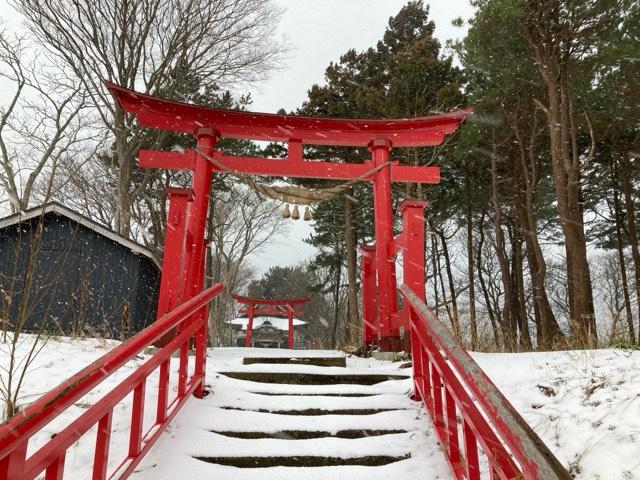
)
(466, 407)
(190, 322)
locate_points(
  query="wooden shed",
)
(69, 275)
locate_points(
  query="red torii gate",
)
(252, 309)
(188, 209)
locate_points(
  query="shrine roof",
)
(165, 114)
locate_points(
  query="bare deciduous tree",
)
(156, 46)
(240, 223)
(43, 121)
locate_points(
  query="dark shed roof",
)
(59, 209)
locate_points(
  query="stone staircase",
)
(288, 417)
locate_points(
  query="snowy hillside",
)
(584, 404)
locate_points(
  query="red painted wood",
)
(470, 452)
(290, 329)
(385, 265)
(182, 369)
(55, 471)
(14, 464)
(174, 258)
(103, 441)
(163, 391)
(286, 167)
(181, 117)
(271, 301)
(268, 311)
(370, 329)
(451, 421)
(137, 419)
(247, 338)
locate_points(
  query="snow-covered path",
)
(293, 421)
(585, 405)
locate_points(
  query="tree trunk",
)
(434, 266)
(470, 270)
(623, 268)
(483, 286)
(548, 332)
(336, 306)
(509, 335)
(122, 216)
(631, 226)
(518, 277)
(353, 320)
(567, 173)
(455, 317)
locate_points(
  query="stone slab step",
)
(318, 361)
(337, 395)
(298, 378)
(306, 435)
(302, 461)
(313, 412)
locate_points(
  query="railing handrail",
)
(42, 411)
(525, 445)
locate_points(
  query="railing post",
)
(413, 269)
(103, 440)
(137, 419)
(12, 466)
(370, 330)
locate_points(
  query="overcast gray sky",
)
(319, 31)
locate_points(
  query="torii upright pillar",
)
(386, 271)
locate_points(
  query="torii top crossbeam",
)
(182, 117)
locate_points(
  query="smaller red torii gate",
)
(269, 308)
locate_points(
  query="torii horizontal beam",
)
(187, 118)
(288, 167)
(269, 311)
(270, 301)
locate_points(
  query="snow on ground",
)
(584, 404)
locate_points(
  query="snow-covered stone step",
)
(303, 378)
(216, 419)
(252, 401)
(309, 434)
(224, 383)
(429, 465)
(328, 451)
(275, 417)
(301, 461)
(333, 361)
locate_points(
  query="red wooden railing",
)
(189, 321)
(467, 409)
